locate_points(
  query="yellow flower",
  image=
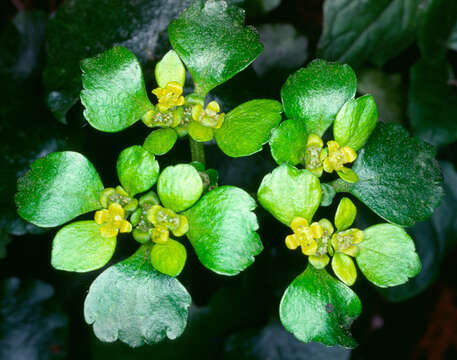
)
(320, 259)
(163, 217)
(337, 157)
(208, 117)
(112, 221)
(315, 154)
(305, 236)
(170, 96)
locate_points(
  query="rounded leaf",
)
(247, 127)
(169, 258)
(80, 247)
(288, 192)
(387, 255)
(344, 268)
(355, 122)
(222, 230)
(133, 302)
(160, 141)
(58, 188)
(345, 214)
(288, 142)
(114, 95)
(169, 69)
(316, 93)
(317, 307)
(137, 169)
(179, 187)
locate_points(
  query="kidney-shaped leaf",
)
(80, 247)
(247, 127)
(316, 93)
(114, 95)
(211, 39)
(133, 302)
(58, 188)
(137, 169)
(387, 255)
(318, 307)
(288, 192)
(399, 179)
(222, 230)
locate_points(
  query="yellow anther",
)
(338, 157)
(170, 96)
(314, 154)
(209, 117)
(112, 221)
(305, 236)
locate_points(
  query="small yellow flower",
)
(305, 236)
(337, 157)
(170, 96)
(346, 241)
(209, 117)
(320, 259)
(112, 221)
(163, 217)
(315, 154)
(120, 196)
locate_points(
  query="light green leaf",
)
(399, 179)
(58, 188)
(387, 255)
(356, 31)
(137, 169)
(211, 39)
(316, 93)
(179, 187)
(288, 192)
(344, 268)
(133, 302)
(345, 214)
(169, 258)
(317, 307)
(355, 122)
(80, 247)
(247, 127)
(160, 141)
(169, 69)
(288, 142)
(114, 95)
(222, 230)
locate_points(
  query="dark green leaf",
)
(58, 188)
(160, 141)
(137, 169)
(222, 230)
(356, 31)
(179, 187)
(211, 39)
(312, 314)
(247, 127)
(316, 93)
(288, 192)
(399, 179)
(387, 255)
(288, 142)
(80, 247)
(95, 26)
(114, 95)
(433, 102)
(133, 302)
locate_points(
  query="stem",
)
(340, 185)
(197, 151)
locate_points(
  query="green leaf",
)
(399, 179)
(288, 142)
(345, 214)
(95, 26)
(222, 230)
(137, 169)
(114, 95)
(436, 30)
(169, 258)
(179, 187)
(433, 102)
(80, 247)
(211, 39)
(169, 69)
(355, 122)
(160, 141)
(344, 268)
(288, 192)
(328, 193)
(247, 127)
(58, 188)
(133, 302)
(316, 93)
(356, 31)
(387, 256)
(312, 314)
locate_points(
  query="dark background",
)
(41, 309)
